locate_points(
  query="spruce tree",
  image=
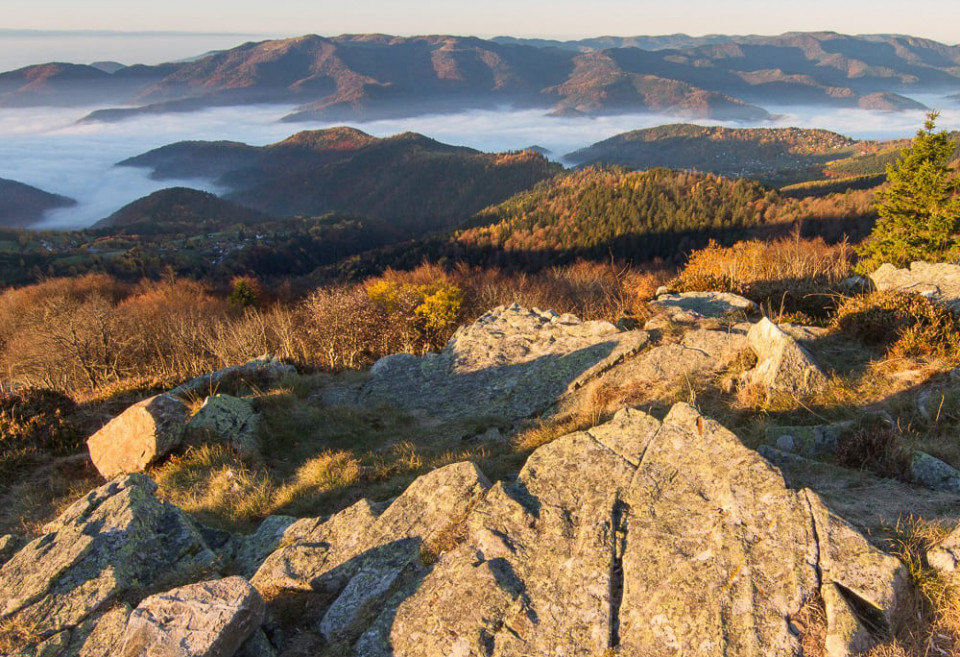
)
(919, 211)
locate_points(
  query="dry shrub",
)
(930, 623)
(811, 621)
(877, 448)
(36, 422)
(905, 325)
(791, 275)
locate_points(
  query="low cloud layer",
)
(48, 149)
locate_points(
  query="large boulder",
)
(938, 281)
(104, 548)
(266, 368)
(664, 538)
(227, 419)
(512, 362)
(207, 619)
(139, 436)
(783, 364)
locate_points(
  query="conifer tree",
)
(919, 211)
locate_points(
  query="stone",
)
(813, 441)
(206, 619)
(945, 557)
(698, 351)
(933, 473)
(783, 365)
(9, 544)
(511, 363)
(228, 419)
(101, 549)
(937, 281)
(353, 561)
(265, 368)
(642, 537)
(247, 552)
(257, 646)
(705, 304)
(138, 437)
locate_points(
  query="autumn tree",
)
(919, 211)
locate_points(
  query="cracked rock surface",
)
(512, 362)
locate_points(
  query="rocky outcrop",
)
(931, 472)
(945, 557)
(812, 441)
(512, 362)
(783, 365)
(139, 436)
(642, 536)
(109, 545)
(207, 619)
(691, 305)
(265, 368)
(227, 419)
(937, 281)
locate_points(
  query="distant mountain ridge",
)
(370, 76)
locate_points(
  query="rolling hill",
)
(22, 205)
(415, 183)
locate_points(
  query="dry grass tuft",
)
(811, 620)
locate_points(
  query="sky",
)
(938, 19)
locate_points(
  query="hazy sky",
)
(939, 19)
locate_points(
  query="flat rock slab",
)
(105, 546)
(938, 281)
(207, 619)
(511, 363)
(705, 304)
(139, 436)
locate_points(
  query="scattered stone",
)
(109, 544)
(138, 437)
(228, 419)
(267, 367)
(705, 304)
(257, 646)
(812, 441)
(663, 289)
(855, 285)
(207, 619)
(939, 281)
(933, 473)
(929, 402)
(783, 364)
(628, 324)
(511, 363)
(945, 557)
(491, 435)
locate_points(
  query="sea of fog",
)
(49, 149)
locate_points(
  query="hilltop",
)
(413, 182)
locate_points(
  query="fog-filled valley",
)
(47, 147)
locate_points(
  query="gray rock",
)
(247, 552)
(939, 281)
(699, 351)
(111, 543)
(855, 285)
(816, 440)
(648, 538)
(224, 418)
(265, 367)
(257, 646)
(9, 544)
(705, 304)
(207, 619)
(783, 365)
(945, 557)
(933, 473)
(511, 363)
(139, 436)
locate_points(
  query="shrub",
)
(34, 422)
(905, 325)
(876, 448)
(792, 274)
